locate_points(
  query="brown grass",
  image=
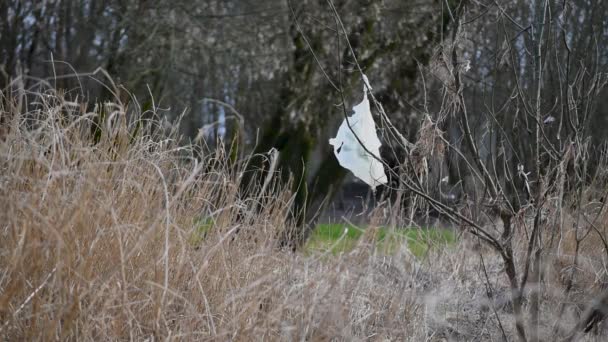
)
(100, 240)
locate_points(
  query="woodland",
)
(176, 170)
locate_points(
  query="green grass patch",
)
(334, 238)
(201, 228)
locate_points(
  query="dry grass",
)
(98, 241)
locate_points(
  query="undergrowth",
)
(110, 229)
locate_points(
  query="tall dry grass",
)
(101, 239)
(110, 229)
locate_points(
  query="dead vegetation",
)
(101, 240)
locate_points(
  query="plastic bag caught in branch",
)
(348, 150)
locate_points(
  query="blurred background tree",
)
(286, 67)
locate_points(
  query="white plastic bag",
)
(348, 150)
